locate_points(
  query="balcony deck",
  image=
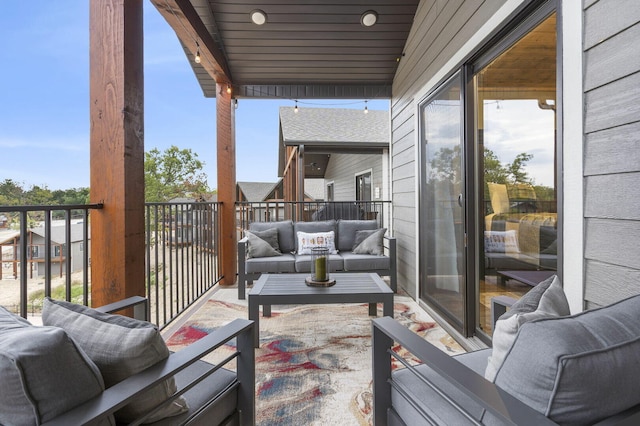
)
(313, 365)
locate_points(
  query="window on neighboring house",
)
(35, 251)
(363, 186)
(330, 191)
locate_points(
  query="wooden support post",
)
(225, 118)
(117, 150)
(300, 184)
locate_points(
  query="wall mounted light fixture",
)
(258, 17)
(369, 18)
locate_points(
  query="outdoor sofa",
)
(56, 374)
(374, 250)
(546, 367)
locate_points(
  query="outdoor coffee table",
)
(290, 289)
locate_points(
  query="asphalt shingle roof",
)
(256, 191)
(331, 125)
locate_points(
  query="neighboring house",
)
(184, 223)
(346, 147)
(266, 200)
(36, 251)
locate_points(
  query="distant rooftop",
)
(334, 126)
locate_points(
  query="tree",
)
(516, 168)
(11, 193)
(173, 173)
(494, 171)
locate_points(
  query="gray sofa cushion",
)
(286, 236)
(275, 264)
(545, 300)
(347, 232)
(263, 243)
(199, 396)
(43, 372)
(303, 263)
(577, 369)
(431, 403)
(120, 347)
(364, 262)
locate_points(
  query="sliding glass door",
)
(488, 177)
(515, 106)
(442, 230)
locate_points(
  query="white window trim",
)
(573, 142)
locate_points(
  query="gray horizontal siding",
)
(612, 157)
(614, 242)
(440, 29)
(342, 169)
(607, 196)
(608, 283)
(613, 59)
(613, 104)
(605, 18)
(615, 150)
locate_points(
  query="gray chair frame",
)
(123, 392)
(506, 408)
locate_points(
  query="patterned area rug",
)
(313, 366)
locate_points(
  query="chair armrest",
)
(392, 244)
(139, 304)
(123, 392)
(242, 249)
(504, 406)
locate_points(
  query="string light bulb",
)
(295, 109)
(366, 110)
(197, 58)
(228, 89)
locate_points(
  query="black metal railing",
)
(33, 233)
(273, 211)
(181, 256)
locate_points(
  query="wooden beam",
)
(226, 153)
(184, 19)
(117, 150)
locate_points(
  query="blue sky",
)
(44, 106)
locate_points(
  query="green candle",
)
(321, 269)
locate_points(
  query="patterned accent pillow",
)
(307, 241)
(120, 347)
(501, 242)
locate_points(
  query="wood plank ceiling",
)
(305, 49)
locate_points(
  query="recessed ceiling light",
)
(369, 18)
(258, 17)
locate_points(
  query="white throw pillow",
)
(307, 241)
